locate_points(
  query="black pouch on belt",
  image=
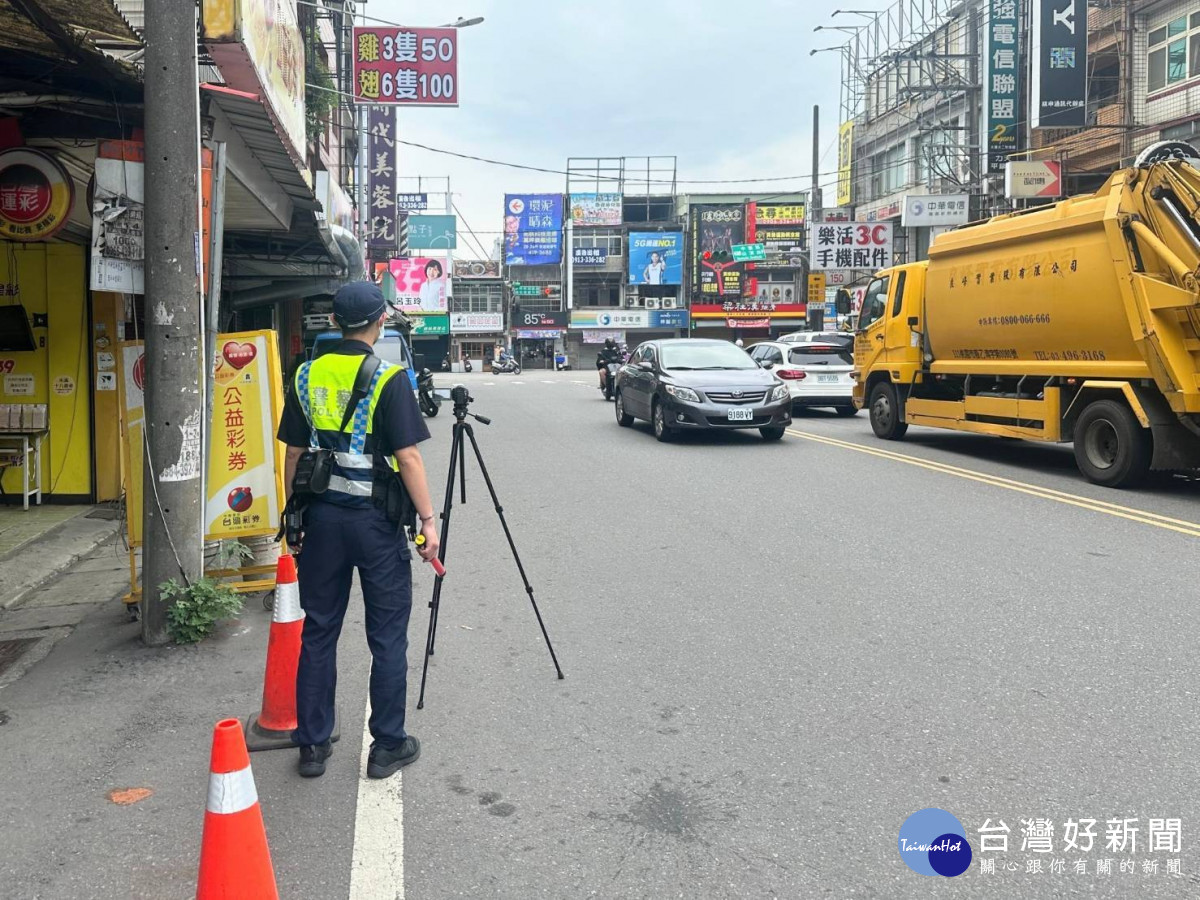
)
(389, 494)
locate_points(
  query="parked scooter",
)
(506, 367)
(429, 401)
(467, 364)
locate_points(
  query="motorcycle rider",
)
(608, 355)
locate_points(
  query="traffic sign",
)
(748, 252)
(816, 288)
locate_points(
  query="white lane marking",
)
(544, 381)
(517, 382)
(377, 867)
(489, 384)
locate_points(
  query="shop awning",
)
(41, 26)
(89, 36)
(254, 124)
(275, 247)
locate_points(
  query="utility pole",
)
(174, 408)
(814, 202)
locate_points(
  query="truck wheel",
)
(1111, 447)
(885, 413)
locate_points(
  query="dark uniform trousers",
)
(338, 539)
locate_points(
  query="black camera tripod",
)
(458, 465)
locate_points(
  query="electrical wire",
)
(470, 231)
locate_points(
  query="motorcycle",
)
(427, 399)
(467, 365)
(506, 367)
(610, 380)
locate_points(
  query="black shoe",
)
(312, 759)
(384, 762)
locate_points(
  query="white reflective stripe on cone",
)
(346, 486)
(287, 603)
(231, 792)
(353, 460)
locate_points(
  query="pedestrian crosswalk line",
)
(377, 864)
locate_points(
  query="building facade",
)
(938, 95)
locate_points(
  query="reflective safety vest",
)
(324, 387)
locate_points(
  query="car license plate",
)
(740, 415)
(827, 379)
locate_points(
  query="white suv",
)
(823, 337)
(816, 373)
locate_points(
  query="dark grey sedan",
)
(691, 384)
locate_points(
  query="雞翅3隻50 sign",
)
(405, 66)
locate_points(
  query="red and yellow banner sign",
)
(749, 309)
(245, 465)
(36, 194)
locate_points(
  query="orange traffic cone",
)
(234, 859)
(272, 727)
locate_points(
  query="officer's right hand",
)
(429, 549)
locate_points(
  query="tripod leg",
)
(487, 479)
(456, 454)
(462, 465)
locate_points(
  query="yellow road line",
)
(1143, 517)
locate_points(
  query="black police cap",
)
(358, 304)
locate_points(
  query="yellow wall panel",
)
(50, 280)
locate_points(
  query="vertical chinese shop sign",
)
(382, 227)
(1002, 89)
(245, 462)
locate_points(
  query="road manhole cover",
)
(11, 651)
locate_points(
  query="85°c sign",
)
(406, 66)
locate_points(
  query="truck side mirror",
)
(913, 321)
(842, 302)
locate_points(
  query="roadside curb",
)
(32, 565)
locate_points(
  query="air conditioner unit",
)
(634, 302)
(669, 302)
(652, 303)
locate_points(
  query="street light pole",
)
(172, 496)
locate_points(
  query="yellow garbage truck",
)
(1077, 322)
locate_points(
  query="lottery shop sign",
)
(36, 194)
(245, 483)
(406, 66)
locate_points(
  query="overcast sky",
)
(727, 87)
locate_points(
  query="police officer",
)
(345, 528)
